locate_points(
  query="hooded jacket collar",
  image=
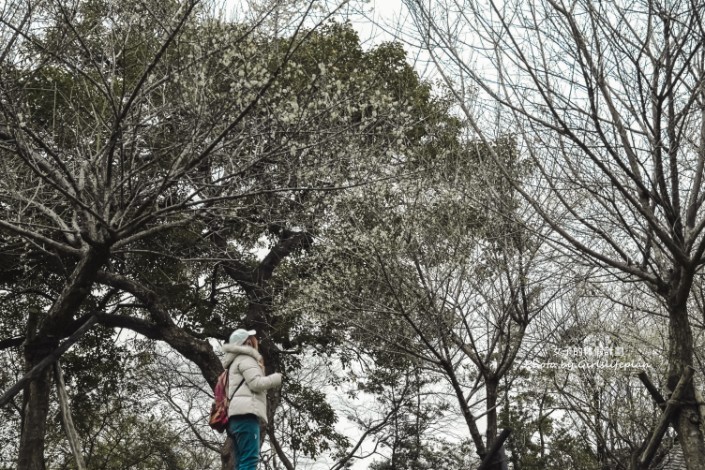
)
(232, 351)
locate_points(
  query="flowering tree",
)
(119, 123)
(163, 164)
(438, 275)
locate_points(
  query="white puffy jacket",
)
(251, 397)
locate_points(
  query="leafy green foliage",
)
(308, 422)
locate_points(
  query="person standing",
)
(247, 385)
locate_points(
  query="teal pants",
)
(244, 431)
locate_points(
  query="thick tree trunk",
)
(491, 391)
(495, 454)
(37, 347)
(687, 422)
(499, 462)
(227, 455)
(35, 410)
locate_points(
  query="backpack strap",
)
(236, 388)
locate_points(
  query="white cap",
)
(239, 336)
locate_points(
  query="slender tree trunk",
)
(465, 410)
(601, 439)
(67, 419)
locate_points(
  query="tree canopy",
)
(420, 258)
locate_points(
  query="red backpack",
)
(219, 410)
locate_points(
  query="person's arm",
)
(256, 381)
